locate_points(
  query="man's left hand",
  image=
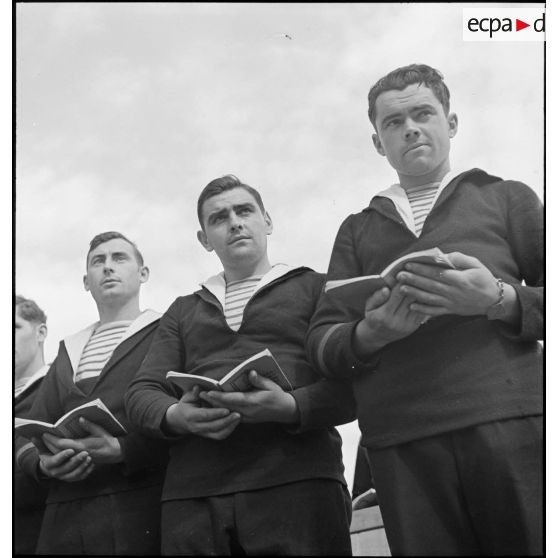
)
(100, 445)
(468, 290)
(266, 403)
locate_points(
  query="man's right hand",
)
(387, 318)
(189, 417)
(66, 465)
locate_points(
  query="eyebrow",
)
(416, 108)
(223, 212)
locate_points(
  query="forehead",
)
(226, 200)
(111, 246)
(413, 95)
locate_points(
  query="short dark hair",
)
(407, 75)
(111, 235)
(223, 184)
(29, 310)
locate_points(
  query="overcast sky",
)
(126, 111)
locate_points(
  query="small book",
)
(358, 289)
(263, 363)
(365, 500)
(68, 426)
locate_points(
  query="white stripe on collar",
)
(76, 343)
(40, 373)
(399, 198)
(216, 284)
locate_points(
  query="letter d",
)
(536, 24)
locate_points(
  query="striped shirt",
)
(421, 199)
(99, 349)
(237, 294)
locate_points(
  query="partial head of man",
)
(115, 268)
(410, 111)
(235, 224)
(30, 334)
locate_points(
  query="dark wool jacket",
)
(28, 493)
(194, 337)
(144, 458)
(454, 371)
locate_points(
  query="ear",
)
(85, 283)
(42, 333)
(378, 144)
(202, 237)
(452, 124)
(144, 273)
(268, 223)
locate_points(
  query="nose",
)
(108, 268)
(235, 223)
(411, 130)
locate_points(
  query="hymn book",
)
(358, 289)
(263, 363)
(68, 426)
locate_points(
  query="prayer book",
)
(365, 500)
(263, 363)
(68, 426)
(358, 289)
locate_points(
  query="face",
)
(29, 337)
(236, 228)
(414, 133)
(113, 273)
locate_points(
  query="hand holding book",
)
(266, 402)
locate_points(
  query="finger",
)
(79, 472)
(205, 414)
(92, 428)
(191, 396)
(261, 382)
(52, 443)
(66, 443)
(223, 433)
(427, 310)
(462, 261)
(50, 461)
(231, 398)
(415, 272)
(425, 295)
(379, 298)
(216, 426)
(397, 301)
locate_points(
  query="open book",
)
(68, 426)
(358, 289)
(237, 379)
(365, 500)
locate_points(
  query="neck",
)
(22, 375)
(436, 175)
(247, 270)
(130, 310)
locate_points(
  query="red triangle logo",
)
(519, 25)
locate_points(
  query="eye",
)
(423, 114)
(392, 123)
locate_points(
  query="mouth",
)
(110, 281)
(413, 147)
(238, 238)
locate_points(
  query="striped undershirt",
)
(237, 294)
(421, 199)
(99, 349)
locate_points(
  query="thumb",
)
(261, 382)
(92, 428)
(461, 261)
(191, 395)
(378, 299)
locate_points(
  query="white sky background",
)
(126, 111)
